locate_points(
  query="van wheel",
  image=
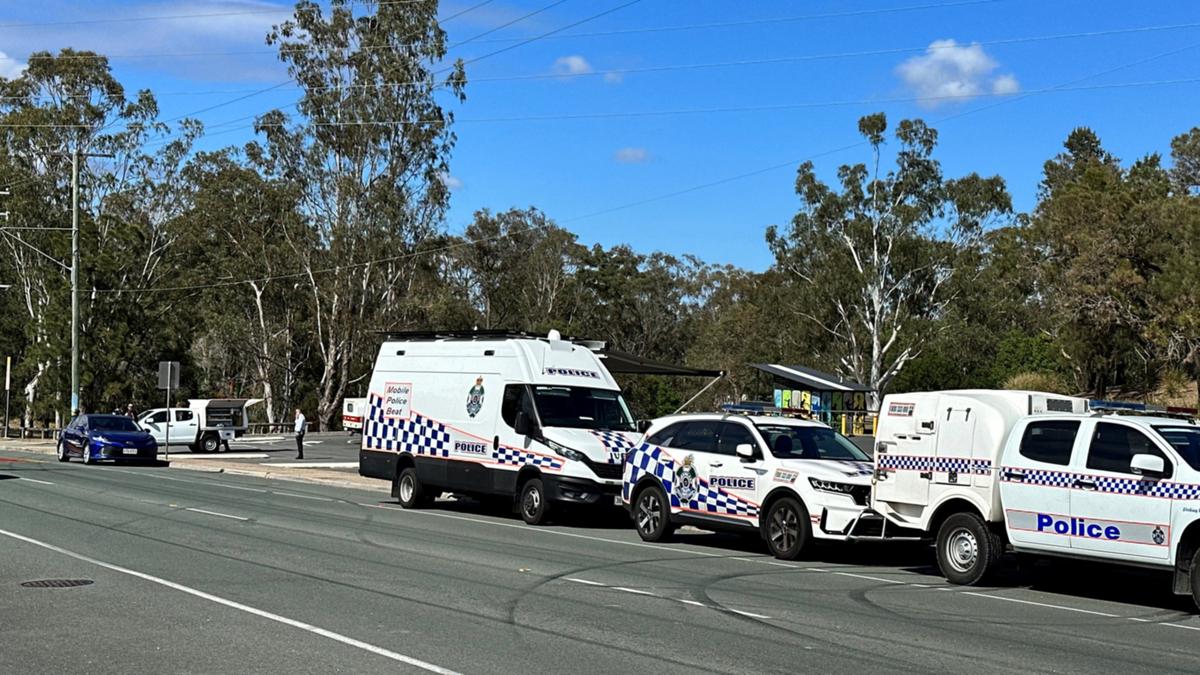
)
(1194, 577)
(786, 529)
(409, 491)
(967, 549)
(652, 515)
(533, 505)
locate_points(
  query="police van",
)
(534, 419)
(790, 480)
(981, 470)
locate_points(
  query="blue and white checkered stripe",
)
(650, 459)
(963, 465)
(510, 456)
(419, 435)
(617, 443)
(1108, 484)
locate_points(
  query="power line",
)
(641, 202)
(170, 17)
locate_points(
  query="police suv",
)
(981, 469)
(790, 479)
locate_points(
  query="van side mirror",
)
(1147, 465)
(524, 425)
(745, 451)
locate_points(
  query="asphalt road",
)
(334, 450)
(196, 572)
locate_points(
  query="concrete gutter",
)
(181, 461)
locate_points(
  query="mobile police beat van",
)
(538, 420)
(1042, 474)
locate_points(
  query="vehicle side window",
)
(76, 424)
(733, 435)
(183, 415)
(664, 437)
(1114, 445)
(159, 417)
(1050, 441)
(516, 398)
(697, 437)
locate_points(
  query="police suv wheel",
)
(966, 549)
(652, 514)
(786, 528)
(532, 502)
(62, 452)
(409, 491)
(1194, 577)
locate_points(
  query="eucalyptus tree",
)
(875, 255)
(366, 150)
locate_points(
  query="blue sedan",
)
(97, 437)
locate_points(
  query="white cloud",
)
(1005, 84)
(572, 65)
(631, 155)
(10, 68)
(950, 71)
(451, 182)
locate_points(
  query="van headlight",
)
(564, 451)
(830, 486)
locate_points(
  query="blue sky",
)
(582, 171)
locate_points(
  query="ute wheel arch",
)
(957, 505)
(1189, 544)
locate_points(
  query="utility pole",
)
(75, 155)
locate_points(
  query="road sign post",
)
(168, 378)
(7, 389)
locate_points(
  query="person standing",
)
(301, 427)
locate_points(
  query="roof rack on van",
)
(487, 334)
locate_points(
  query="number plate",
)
(129, 451)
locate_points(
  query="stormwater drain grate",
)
(56, 583)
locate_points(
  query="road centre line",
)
(316, 630)
(34, 480)
(636, 591)
(300, 496)
(1042, 604)
(214, 513)
(632, 590)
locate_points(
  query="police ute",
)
(533, 420)
(980, 471)
(791, 480)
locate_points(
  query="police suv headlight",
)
(830, 486)
(564, 451)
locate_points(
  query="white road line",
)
(220, 455)
(1043, 604)
(34, 480)
(195, 482)
(299, 496)
(693, 603)
(1179, 625)
(880, 579)
(750, 614)
(584, 581)
(214, 513)
(633, 590)
(380, 651)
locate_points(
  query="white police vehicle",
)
(791, 480)
(981, 469)
(537, 420)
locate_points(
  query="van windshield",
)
(795, 442)
(582, 408)
(1185, 440)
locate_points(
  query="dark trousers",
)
(299, 446)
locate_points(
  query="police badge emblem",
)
(686, 481)
(1159, 536)
(475, 397)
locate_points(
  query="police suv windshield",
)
(1185, 440)
(793, 442)
(582, 408)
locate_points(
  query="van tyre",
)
(409, 490)
(1194, 578)
(967, 549)
(786, 528)
(652, 514)
(532, 502)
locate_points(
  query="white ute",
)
(525, 419)
(1041, 473)
(202, 426)
(790, 480)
